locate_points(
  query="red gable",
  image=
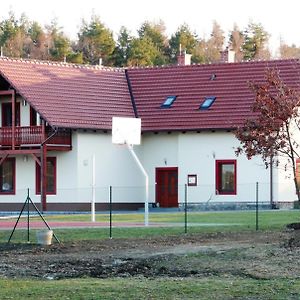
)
(70, 96)
(227, 82)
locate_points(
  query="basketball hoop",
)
(126, 131)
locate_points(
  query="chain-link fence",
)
(185, 209)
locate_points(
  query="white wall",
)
(286, 186)
(114, 167)
(192, 153)
(158, 150)
(26, 178)
(285, 183)
(200, 158)
(196, 153)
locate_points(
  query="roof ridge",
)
(61, 64)
(213, 64)
(122, 69)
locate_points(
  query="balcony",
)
(29, 137)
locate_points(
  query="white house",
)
(56, 117)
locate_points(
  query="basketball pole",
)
(130, 148)
(128, 131)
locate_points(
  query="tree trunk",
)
(295, 179)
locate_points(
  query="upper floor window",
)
(226, 177)
(169, 101)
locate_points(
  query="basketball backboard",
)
(126, 131)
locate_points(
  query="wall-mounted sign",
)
(192, 180)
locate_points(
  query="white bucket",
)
(44, 237)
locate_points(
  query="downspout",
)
(131, 94)
(130, 148)
(43, 167)
(13, 119)
(51, 136)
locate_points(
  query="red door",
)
(167, 187)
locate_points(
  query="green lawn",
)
(267, 219)
(143, 288)
(212, 287)
(170, 224)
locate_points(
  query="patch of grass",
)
(271, 217)
(198, 222)
(69, 235)
(267, 219)
(143, 288)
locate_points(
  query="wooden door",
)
(167, 187)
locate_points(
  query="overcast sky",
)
(279, 18)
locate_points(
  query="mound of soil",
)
(294, 240)
(295, 226)
(253, 254)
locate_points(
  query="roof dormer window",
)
(168, 102)
(207, 103)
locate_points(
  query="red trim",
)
(167, 168)
(38, 177)
(3, 93)
(164, 169)
(219, 176)
(44, 178)
(13, 192)
(21, 151)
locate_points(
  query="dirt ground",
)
(260, 255)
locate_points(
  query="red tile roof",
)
(70, 96)
(73, 96)
(191, 84)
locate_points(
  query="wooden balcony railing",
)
(32, 136)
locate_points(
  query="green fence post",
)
(185, 208)
(256, 214)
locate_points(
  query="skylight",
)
(207, 103)
(168, 102)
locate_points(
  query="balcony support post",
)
(44, 169)
(13, 119)
(3, 159)
(44, 177)
(36, 159)
(44, 137)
